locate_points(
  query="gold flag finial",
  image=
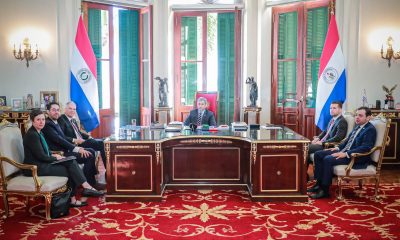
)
(332, 7)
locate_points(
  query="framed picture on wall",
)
(3, 101)
(17, 104)
(47, 97)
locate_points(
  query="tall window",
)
(299, 35)
(206, 44)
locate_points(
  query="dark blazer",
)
(55, 137)
(364, 142)
(34, 150)
(338, 132)
(68, 129)
(208, 118)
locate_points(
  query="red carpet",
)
(219, 214)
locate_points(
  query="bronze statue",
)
(253, 91)
(389, 96)
(162, 91)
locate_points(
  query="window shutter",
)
(189, 52)
(129, 66)
(317, 27)
(287, 56)
(226, 67)
(94, 32)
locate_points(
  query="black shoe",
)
(314, 188)
(78, 203)
(86, 192)
(320, 194)
(100, 186)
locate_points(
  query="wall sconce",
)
(389, 51)
(26, 53)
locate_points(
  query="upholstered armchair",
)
(11, 164)
(373, 171)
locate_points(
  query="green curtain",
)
(226, 67)
(94, 32)
(317, 27)
(189, 52)
(287, 56)
(129, 69)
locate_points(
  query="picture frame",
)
(47, 97)
(3, 101)
(17, 104)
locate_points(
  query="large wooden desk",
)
(269, 164)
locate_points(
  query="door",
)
(299, 32)
(98, 21)
(286, 79)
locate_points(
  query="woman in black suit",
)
(37, 153)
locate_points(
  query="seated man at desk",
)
(201, 115)
(361, 140)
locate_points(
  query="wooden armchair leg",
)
(47, 203)
(27, 204)
(376, 188)
(339, 195)
(360, 184)
(5, 202)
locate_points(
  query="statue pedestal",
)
(163, 114)
(251, 115)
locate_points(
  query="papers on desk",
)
(239, 126)
(271, 127)
(174, 127)
(223, 127)
(154, 126)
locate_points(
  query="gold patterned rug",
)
(211, 214)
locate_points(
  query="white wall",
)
(359, 23)
(51, 23)
(378, 20)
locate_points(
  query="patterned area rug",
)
(206, 214)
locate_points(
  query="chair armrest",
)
(331, 144)
(31, 167)
(357, 155)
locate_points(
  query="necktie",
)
(329, 130)
(60, 131)
(351, 139)
(75, 127)
(44, 144)
(199, 119)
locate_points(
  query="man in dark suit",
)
(335, 132)
(200, 115)
(361, 140)
(56, 140)
(74, 135)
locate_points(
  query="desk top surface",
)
(145, 134)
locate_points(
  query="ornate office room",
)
(200, 119)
